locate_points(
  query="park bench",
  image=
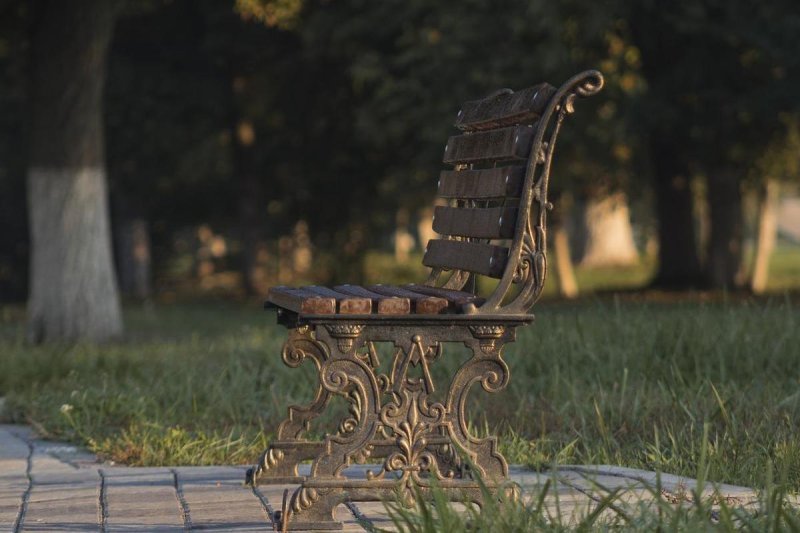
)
(493, 224)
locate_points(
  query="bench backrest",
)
(494, 220)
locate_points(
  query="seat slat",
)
(480, 258)
(457, 297)
(487, 146)
(346, 304)
(301, 301)
(478, 222)
(382, 304)
(505, 109)
(496, 182)
(423, 304)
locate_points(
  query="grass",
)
(615, 382)
(773, 512)
(707, 388)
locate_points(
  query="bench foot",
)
(278, 464)
(312, 506)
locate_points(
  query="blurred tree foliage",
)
(252, 114)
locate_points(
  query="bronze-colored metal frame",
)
(527, 263)
(392, 416)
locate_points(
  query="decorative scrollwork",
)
(417, 355)
(493, 375)
(527, 265)
(302, 345)
(355, 409)
(487, 335)
(345, 334)
(370, 355)
(303, 499)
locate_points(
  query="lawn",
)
(622, 381)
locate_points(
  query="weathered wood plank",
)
(488, 146)
(423, 304)
(478, 222)
(480, 258)
(382, 304)
(345, 304)
(459, 298)
(301, 301)
(498, 182)
(505, 109)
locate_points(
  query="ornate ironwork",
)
(396, 415)
(526, 270)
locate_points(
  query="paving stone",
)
(142, 502)
(217, 500)
(12, 447)
(66, 506)
(10, 500)
(676, 485)
(14, 453)
(376, 513)
(65, 495)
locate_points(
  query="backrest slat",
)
(480, 258)
(492, 206)
(498, 182)
(489, 146)
(480, 223)
(505, 109)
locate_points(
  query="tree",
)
(780, 162)
(73, 292)
(719, 74)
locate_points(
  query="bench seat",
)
(374, 299)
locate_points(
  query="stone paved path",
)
(47, 486)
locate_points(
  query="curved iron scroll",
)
(527, 264)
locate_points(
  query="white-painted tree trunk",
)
(73, 292)
(767, 231)
(567, 283)
(609, 235)
(73, 288)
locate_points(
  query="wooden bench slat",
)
(457, 297)
(346, 304)
(301, 301)
(480, 258)
(505, 109)
(478, 222)
(382, 304)
(423, 304)
(487, 146)
(496, 182)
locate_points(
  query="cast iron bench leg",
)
(278, 464)
(427, 439)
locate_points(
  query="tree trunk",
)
(567, 284)
(678, 261)
(251, 208)
(609, 232)
(133, 258)
(73, 291)
(767, 231)
(565, 273)
(725, 242)
(403, 240)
